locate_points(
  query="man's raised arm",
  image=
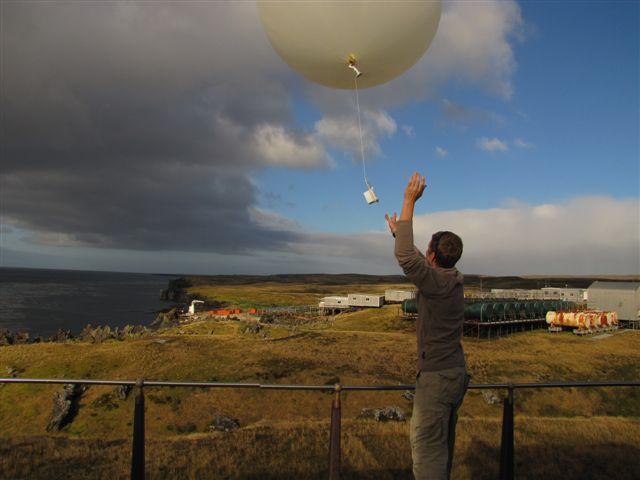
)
(413, 263)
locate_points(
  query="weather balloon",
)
(320, 39)
(351, 44)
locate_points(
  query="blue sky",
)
(575, 101)
(173, 138)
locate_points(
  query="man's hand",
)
(415, 187)
(392, 222)
(412, 193)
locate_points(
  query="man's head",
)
(445, 249)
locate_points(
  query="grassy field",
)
(566, 433)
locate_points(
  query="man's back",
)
(439, 326)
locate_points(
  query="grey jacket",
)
(440, 305)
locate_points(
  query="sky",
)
(171, 138)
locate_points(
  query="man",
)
(442, 379)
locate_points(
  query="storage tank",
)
(530, 309)
(509, 310)
(410, 306)
(498, 311)
(479, 311)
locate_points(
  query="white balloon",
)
(317, 38)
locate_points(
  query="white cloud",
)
(341, 131)
(279, 147)
(518, 142)
(585, 235)
(492, 144)
(441, 152)
(409, 131)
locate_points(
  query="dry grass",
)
(271, 294)
(284, 434)
(545, 448)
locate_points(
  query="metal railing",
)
(507, 447)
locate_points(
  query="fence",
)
(507, 447)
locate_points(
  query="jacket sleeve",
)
(413, 263)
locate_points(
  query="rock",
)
(20, 337)
(5, 337)
(386, 414)
(61, 336)
(408, 395)
(122, 391)
(250, 327)
(166, 318)
(65, 405)
(491, 398)
(12, 372)
(106, 401)
(176, 290)
(224, 423)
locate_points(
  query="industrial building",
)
(365, 300)
(620, 297)
(393, 296)
(547, 293)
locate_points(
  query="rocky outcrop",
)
(176, 291)
(122, 391)
(101, 333)
(65, 406)
(61, 336)
(224, 423)
(166, 318)
(8, 338)
(250, 327)
(385, 414)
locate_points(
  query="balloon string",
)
(364, 167)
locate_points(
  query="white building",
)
(399, 295)
(365, 300)
(192, 306)
(334, 302)
(620, 297)
(569, 294)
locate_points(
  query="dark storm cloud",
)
(136, 125)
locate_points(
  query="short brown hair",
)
(447, 247)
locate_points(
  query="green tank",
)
(540, 309)
(498, 311)
(410, 306)
(509, 310)
(479, 311)
(530, 309)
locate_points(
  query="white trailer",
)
(399, 295)
(334, 302)
(366, 300)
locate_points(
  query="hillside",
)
(580, 433)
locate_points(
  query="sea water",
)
(43, 301)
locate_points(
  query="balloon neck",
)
(355, 69)
(353, 62)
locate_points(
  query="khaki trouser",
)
(437, 399)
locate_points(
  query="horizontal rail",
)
(153, 383)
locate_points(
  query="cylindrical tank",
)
(530, 309)
(509, 310)
(521, 309)
(540, 310)
(410, 306)
(498, 311)
(612, 318)
(479, 311)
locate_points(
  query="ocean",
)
(42, 301)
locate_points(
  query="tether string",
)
(364, 167)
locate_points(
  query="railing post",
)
(334, 436)
(507, 447)
(137, 448)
